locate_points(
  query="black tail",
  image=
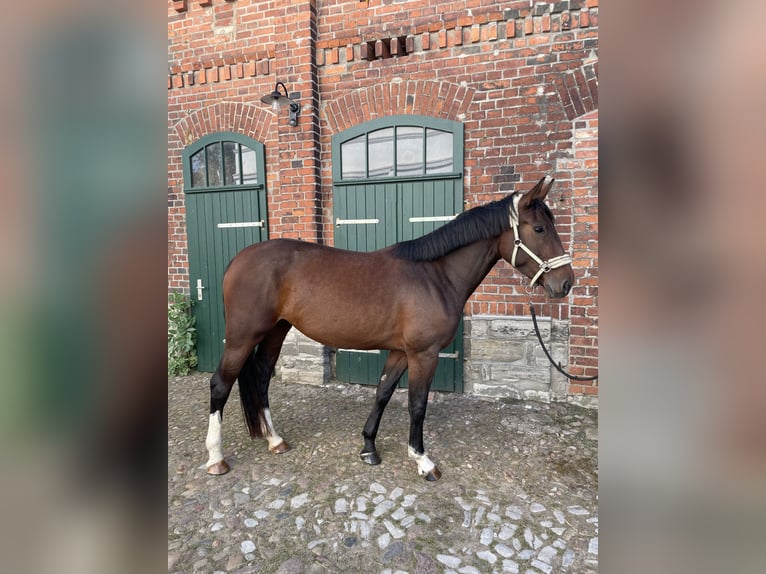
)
(252, 394)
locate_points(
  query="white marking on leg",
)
(424, 463)
(271, 435)
(213, 440)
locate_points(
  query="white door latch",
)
(199, 289)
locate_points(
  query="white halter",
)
(545, 266)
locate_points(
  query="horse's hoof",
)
(372, 458)
(279, 448)
(218, 468)
(434, 475)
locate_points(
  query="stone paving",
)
(518, 492)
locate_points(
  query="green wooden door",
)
(225, 212)
(390, 185)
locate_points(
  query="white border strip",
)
(432, 218)
(241, 224)
(340, 222)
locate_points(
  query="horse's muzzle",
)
(558, 291)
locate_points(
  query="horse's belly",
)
(339, 332)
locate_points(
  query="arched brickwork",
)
(422, 97)
(246, 119)
(578, 89)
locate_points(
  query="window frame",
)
(219, 138)
(404, 120)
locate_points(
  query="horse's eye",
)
(539, 229)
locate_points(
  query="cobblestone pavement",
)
(518, 491)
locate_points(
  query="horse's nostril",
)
(566, 286)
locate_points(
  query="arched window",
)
(399, 147)
(223, 160)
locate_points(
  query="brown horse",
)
(407, 298)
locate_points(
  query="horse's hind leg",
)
(234, 357)
(422, 368)
(396, 364)
(254, 387)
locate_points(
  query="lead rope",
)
(558, 366)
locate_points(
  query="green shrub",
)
(182, 336)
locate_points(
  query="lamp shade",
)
(275, 100)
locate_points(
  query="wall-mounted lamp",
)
(277, 100)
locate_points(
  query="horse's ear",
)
(537, 192)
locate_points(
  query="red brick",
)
(442, 38)
(426, 41)
(475, 34)
(528, 26)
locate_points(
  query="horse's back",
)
(290, 257)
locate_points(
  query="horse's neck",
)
(467, 267)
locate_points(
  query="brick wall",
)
(580, 172)
(520, 76)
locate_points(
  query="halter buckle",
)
(517, 242)
(545, 266)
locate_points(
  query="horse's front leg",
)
(396, 364)
(422, 368)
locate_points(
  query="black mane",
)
(481, 222)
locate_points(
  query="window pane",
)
(409, 151)
(352, 158)
(199, 179)
(249, 166)
(230, 164)
(381, 154)
(438, 151)
(214, 167)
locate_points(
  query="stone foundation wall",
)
(503, 357)
(302, 361)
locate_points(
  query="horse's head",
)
(532, 245)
